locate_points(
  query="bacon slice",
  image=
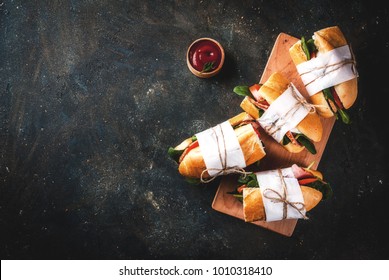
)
(300, 173)
(260, 104)
(292, 138)
(187, 150)
(336, 98)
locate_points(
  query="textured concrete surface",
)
(92, 94)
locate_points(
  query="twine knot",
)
(282, 198)
(223, 161)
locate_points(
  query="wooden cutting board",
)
(276, 156)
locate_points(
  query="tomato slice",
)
(254, 88)
(336, 98)
(256, 129)
(254, 91)
(240, 189)
(306, 181)
(187, 150)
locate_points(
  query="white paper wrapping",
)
(284, 114)
(271, 180)
(220, 148)
(327, 69)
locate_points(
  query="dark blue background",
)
(92, 94)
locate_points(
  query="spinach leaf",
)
(303, 140)
(174, 154)
(340, 112)
(243, 91)
(305, 48)
(311, 46)
(323, 187)
(249, 180)
(193, 181)
(344, 116)
(285, 140)
(260, 112)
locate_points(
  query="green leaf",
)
(344, 116)
(323, 187)
(342, 113)
(328, 94)
(285, 140)
(209, 66)
(253, 183)
(311, 45)
(305, 48)
(260, 112)
(303, 140)
(193, 181)
(245, 180)
(243, 91)
(174, 154)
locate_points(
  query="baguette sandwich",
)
(327, 67)
(304, 189)
(294, 134)
(192, 155)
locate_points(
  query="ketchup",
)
(205, 54)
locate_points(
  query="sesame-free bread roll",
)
(192, 165)
(326, 40)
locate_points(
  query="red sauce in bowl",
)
(205, 55)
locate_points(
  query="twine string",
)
(230, 170)
(309, 106)
(223, 161)
(282, 198)
(326, 69)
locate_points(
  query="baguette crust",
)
(323, 109)
(329, 38)
(293, 148)
(254, 210)
(249, 107)
(326, 40)
(275, 85)
(193, 165)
